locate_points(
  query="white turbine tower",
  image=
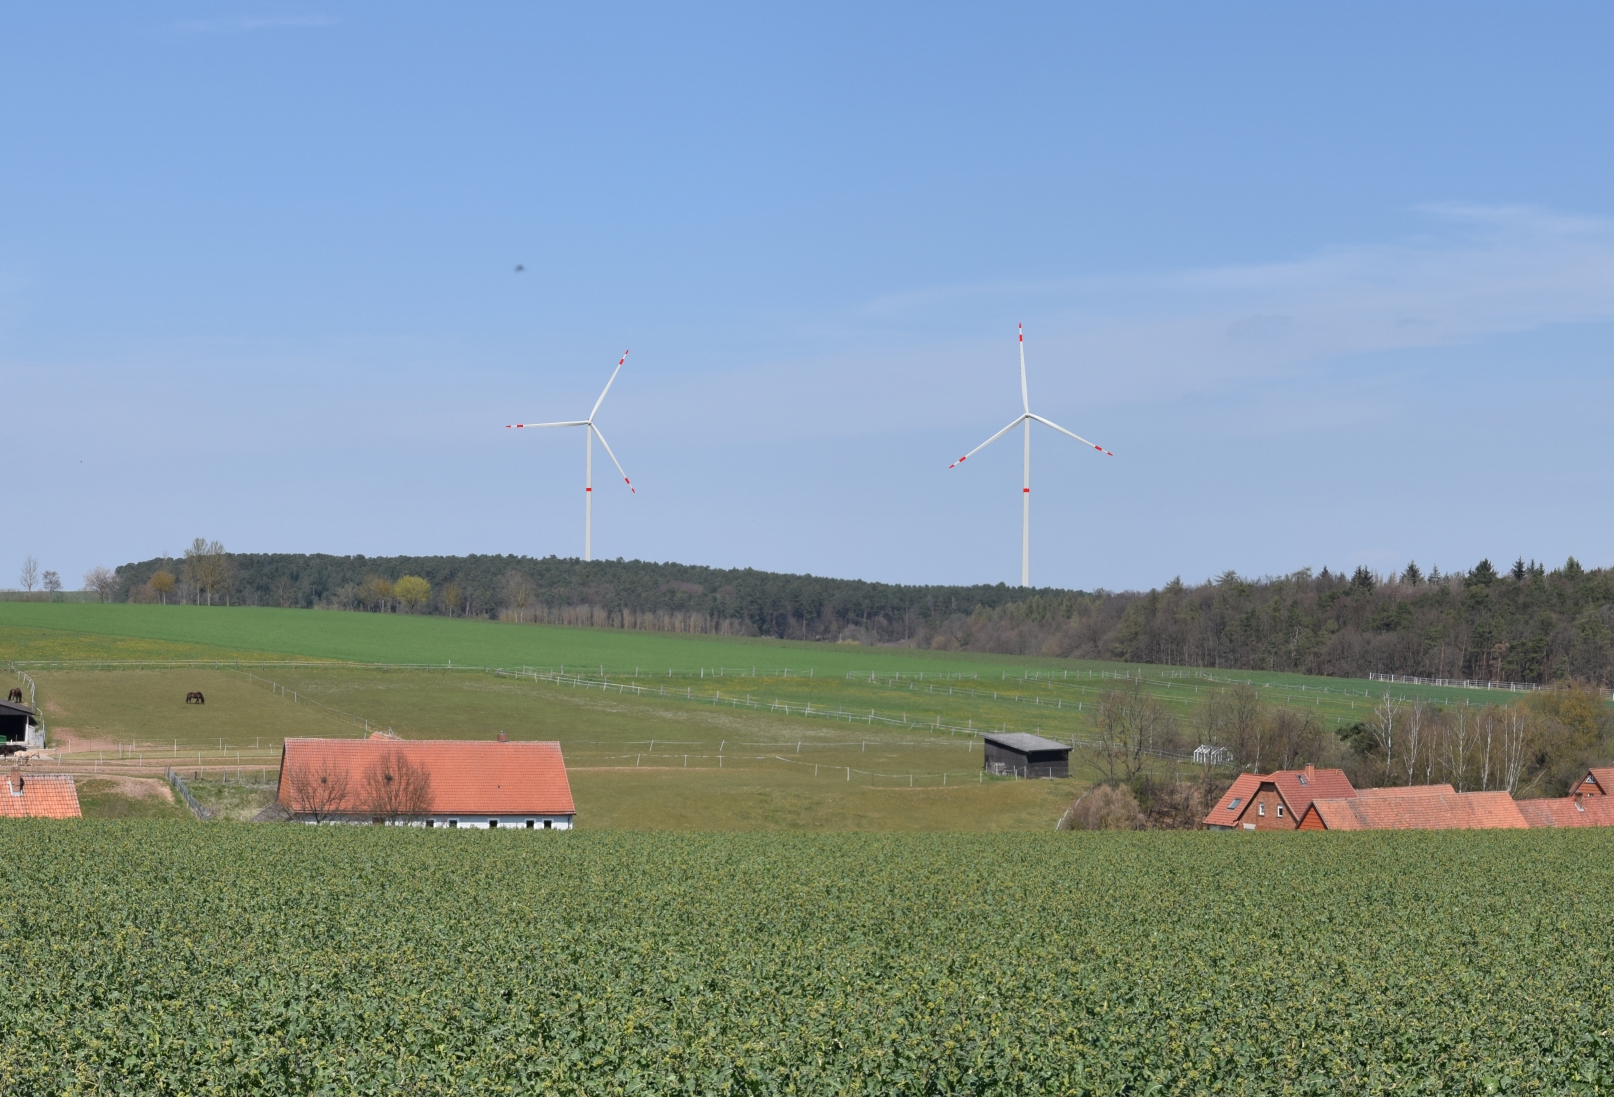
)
(588, 466)
(1025, 490)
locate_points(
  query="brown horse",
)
(16, 695)
(195, 697)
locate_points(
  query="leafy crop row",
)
(160, 958)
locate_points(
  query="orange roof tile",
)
(39, 796)
(1569, 811)
(1234, 800)
(1598, 781)
(1427, 807)
(1406, 790)
(466, 777)
(1297, 787)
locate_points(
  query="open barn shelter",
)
(1025, 755)
(19, 725)
(449, 783)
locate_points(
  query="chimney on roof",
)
(503, 738)
(1311, 773)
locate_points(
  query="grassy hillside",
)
(677, 731)
(235, 959)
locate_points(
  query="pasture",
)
(304, 960)
(659, 730)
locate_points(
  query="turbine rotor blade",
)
(1025, 400)
(1062, 430)
(614, 461)
(608, 385)
(518, 426)
(989, 441)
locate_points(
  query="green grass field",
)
(659, 730)
(159, 959)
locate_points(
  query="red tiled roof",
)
(1426, 807)
(39, 796)
(1234, 800)
(1298, 787)
(1598, 781)
(1569, 811)
(1406, 790)
(467, 777)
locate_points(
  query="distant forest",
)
(1524, 624)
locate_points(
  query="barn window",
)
(529, 824)
(1260, 809)
(431, 822)
(453, 822)
(550, 822)
(492, 823)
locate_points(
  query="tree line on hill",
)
(1526, 624)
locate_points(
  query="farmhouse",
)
(1025, 755)
(1418, 807)
(1275, 801)
(46, 796)
(20, 728)
(433, 783)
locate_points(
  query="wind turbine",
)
(588, 466)
(1025, 491)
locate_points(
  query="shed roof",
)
(1426, 807)
(39, 796)
(1569, 811)
(11, 708)
(467, 777)
(1025, 742)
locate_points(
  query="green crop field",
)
(290, 960)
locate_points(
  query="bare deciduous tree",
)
(103, 581)
(1384, 725)
(395, 789)
(319, 790)
(208, 567)
(518, 593)
(29, 574)
(1132, 725)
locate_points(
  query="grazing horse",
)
(195, 696)
(16, 695)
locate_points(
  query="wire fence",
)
(179, 786)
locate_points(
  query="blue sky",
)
(1334, 282)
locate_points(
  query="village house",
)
(1415, 807)
(1589, 803)
(39, 796)
(1275, 801)
(427, 783)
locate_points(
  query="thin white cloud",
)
(1479, 272)
(244, 24)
